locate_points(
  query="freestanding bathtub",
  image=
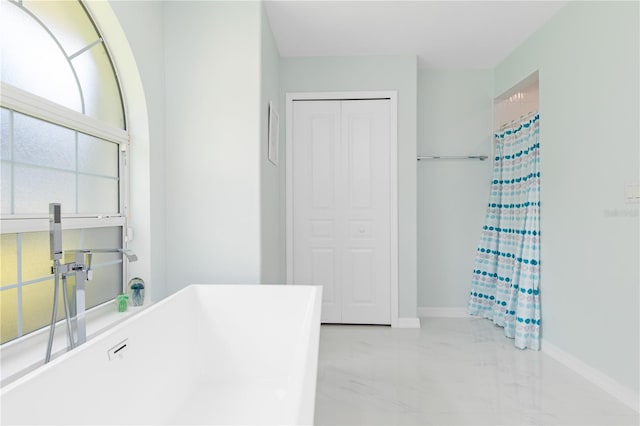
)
(209, 354)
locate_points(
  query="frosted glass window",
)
(34, 251)
(42, 143)
(97, 194)
(97, 156)
(53, 49)
(71, 239)
(37, 301)
(110, 237)
(106, 284)
(67, 21)
(8, 314)
(54, 164)
(5, 188)
(36, 259)
(35, 188)
(37, 304)
(99, 85)
(27, 290)
(9, 259)
(35, 255)
(6, 182)
(33, 61)
(5, 135)
(107, 267)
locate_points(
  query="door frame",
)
(392, 96)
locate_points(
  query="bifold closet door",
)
(341, 207)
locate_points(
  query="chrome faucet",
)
(81, 269)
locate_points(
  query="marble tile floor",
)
(450, 372)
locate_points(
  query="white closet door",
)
(317, 245)
(366, 288)
(341, 202)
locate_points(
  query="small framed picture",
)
(274, 134)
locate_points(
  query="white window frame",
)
(35, 106)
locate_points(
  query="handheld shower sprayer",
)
(55, 231)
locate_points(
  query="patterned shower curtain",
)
(504, 287)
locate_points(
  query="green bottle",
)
(122, 302)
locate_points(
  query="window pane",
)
(8, 315)
(5, 132)
(104, 238)
(97, 156)
(37, 305)
(36, 256)
(97, 195)
(32, 61)
(36, 262)
(107, 278)
(8, 259)
(5, 188)
(5, 167)
(72, 239)
(35, 188)
(99, 85)
(67, 20)
(42, 143)
(106, 284)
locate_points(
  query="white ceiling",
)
(443, 34)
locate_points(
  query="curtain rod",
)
(453, 157)
(515, 120)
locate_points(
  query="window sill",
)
(25, 354)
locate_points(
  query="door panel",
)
(341, 205)
(317, 251)
(359, 268)
(322, 159)
(322, 273)
(366, 293)
(358, 140)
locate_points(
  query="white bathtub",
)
(209, 354)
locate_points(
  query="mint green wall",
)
(212, 106)
(142, 22)
(169, 38)
(587, 57)
(272, 195)
(454, 118)
(372, 73)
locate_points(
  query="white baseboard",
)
(624, 394)
(428, 312)
(408, 323)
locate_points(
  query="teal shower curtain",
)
(506, 274)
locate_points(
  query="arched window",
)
(63, 139)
